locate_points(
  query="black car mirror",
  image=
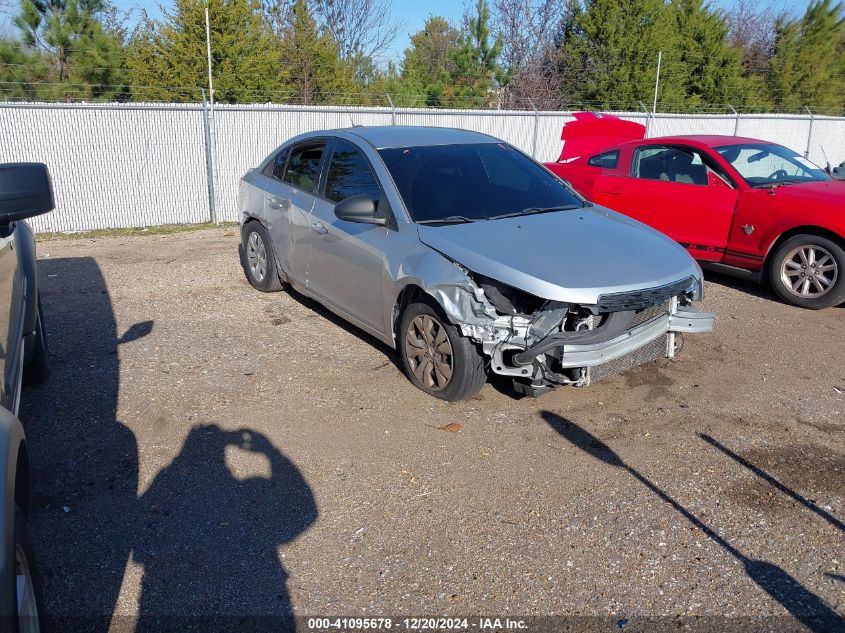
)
(361, 208)
(25, 191)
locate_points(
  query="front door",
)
(346, 263)
(674, 190)
(11, 305)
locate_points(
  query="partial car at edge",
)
(25, 191)
(465, 255)
(741, 206)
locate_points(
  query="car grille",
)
(641, 299)
(645, 354)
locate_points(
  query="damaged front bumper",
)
(561, 360)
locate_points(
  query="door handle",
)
(279, 203)
(319, 227)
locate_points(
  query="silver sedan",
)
(467, 256)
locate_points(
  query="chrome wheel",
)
(429, 352)
(809, 272)
(256, 256)
(27, 607)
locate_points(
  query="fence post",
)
(647, 118)
(209, 159)
(536, 125)
(736, 120)
(809, 133)
(392, 109)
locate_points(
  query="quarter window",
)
(350, 174)
(670, 164)
(303, 169)
(606, 160)
(276, 167)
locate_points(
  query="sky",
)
(411, 13)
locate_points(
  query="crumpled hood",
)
(571, 256)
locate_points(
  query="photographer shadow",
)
(206, 535)
(209, 540)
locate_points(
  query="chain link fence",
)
(130, 165)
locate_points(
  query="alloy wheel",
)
(809, 271)
(429, 352)
(256, 256)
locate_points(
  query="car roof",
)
(707, 140)
(386, 136)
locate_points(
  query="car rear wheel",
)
(808, 271)
(436, 357)
(257, 258)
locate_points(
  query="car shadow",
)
(801, 603)
(746, 286)
(761, 290)
(198, 530)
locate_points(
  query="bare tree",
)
(752, 29)
(529, 28)
(362, 28)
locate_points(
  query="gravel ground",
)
(202, 448)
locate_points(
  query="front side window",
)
(478, 181)
(350, 174)
(670, 164)
(303, 170)
(765, 164)
(605, 160)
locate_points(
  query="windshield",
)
(465, 183)
(765, 164)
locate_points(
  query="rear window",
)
(606, 160)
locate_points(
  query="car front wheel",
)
(26, 588)
(436, 357)
(808, 271)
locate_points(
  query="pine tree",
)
(167, 58)
(608, 52)
(427, 65)
(476, 73)
(311, 67)
(85, 57)
(709, 67)
(807, 68)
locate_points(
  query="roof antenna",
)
(826, 159)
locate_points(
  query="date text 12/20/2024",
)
(415, 624)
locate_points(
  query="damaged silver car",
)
(467, 256)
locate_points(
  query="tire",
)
(808, 271)
(25, 580)
(423, 362)
(257, 258)
(37, 370)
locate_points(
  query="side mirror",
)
(25, 191)
(361, 209)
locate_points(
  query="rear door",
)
(293, 179)
(678, 191)
(346, 264)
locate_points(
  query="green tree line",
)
(548, 54)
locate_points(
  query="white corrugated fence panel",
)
(123, 165)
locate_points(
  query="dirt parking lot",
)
(202, 448)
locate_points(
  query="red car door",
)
(675, 190)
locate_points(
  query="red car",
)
(739, 205)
